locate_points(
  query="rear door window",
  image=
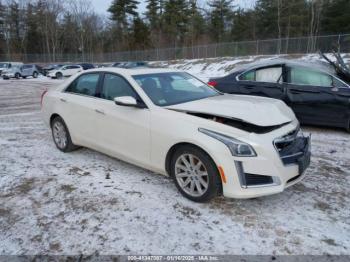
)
(85, 85)
(248, 76)
(268, 75)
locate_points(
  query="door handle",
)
(335, 89)
(99, 111)
(63, 100)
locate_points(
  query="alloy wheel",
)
(59, 134)
(191, 175)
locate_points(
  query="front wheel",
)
(61, 136)
(195, 174)
(59, 75)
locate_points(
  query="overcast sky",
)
(101, 6)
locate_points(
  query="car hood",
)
(255, 110)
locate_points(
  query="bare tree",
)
(316, 12)
(86, 19)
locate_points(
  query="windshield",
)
(3, 65)
(166, 89)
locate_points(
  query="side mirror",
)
(126, 101)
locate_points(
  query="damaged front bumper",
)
(282, 165)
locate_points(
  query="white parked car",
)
(9, 65)
(174, 124)
(65, 71)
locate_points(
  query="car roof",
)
(315, 65)
(134, 71)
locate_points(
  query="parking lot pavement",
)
(82, 202)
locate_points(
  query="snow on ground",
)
(217, 67)
(82, 202)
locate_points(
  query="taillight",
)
(42, 97)
(213, 83)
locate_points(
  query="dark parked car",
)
(117, 64)
(87, 66)
(316, 95)
(46, 70)
(137, 64)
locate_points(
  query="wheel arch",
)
(53, 116)
(172, 150)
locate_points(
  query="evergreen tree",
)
(196, 23)
(220, 18)
(121, 9)
(3, 29)
(243, 25)
(140, 35)
(175, 19)
(266, 13)
(34, 36)
(152, 13)
(336, 18)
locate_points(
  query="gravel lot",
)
(82, 202)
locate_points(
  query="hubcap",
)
(191, 175)
(59, 135)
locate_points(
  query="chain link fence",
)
(295, 45)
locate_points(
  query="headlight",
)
(237, 147)
(300, 133)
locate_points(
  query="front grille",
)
(290, 147)
(286, 140)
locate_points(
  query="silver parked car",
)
(13, 72)
(22, 71)
(30, 70)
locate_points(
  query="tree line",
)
(56, 27)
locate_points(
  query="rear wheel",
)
(59, 75)
(195, 174)
(35, 75)
(61, 136)
(17, 75)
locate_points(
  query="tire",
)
(59, 75)
(35, 75)
(201, 172)
(17, 75)
(61, 136)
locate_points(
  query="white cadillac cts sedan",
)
(172, 123)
